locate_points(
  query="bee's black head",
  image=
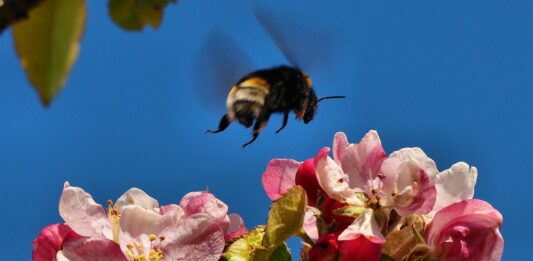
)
(312, 104)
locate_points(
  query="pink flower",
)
(400, 182)
(204, 202)
(136, 225)
(466, 230)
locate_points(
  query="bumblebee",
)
(261, 93)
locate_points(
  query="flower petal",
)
(333, 180)
(137, 223)
(364, 225)
(406, 187)
(310, 226)
(199, 238)
(455, 184)
(204, 202)
(279, 177)
(306, 177)
(50, 241)
(340, 144)
(466, 230)
(417, 155)
(236, 227)
(362, 162)
(82, 214)
(92, 249)
(135, 196)
(360, 248)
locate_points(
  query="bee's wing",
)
(221, 64)
(305, 45)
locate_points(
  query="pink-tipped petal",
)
(236, 227)
(364, 225)
(466, 230)
(92, 249)
(455, 184)
(135, 196)
(333, 180)
(362, 162)
(50, 241)
(205, 202)
(279, 177)
(340, 144)
(82, 214)
(199, 238)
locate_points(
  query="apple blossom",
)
(137, 228)
(466, 230)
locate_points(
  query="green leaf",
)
(286, 217)
(133, 15)
(249, 248)
(242, 248)
(48, 43)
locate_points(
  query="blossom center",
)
(136, 252)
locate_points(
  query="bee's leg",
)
(285, 119)
(259, 125)
(224, 123)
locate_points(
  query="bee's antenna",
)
(331, 97)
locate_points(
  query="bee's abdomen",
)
(251, 92)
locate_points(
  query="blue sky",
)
(452, 77)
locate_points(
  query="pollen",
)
(113, 214)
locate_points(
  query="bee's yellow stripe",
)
(256, 82)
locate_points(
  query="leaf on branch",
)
(286, 217)
(134, 15)
(47, 43)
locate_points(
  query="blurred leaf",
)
(14, 10)
(48, 43)
(133, 15)
(286, 217)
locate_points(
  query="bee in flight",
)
(260, 93)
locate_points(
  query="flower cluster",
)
(136, 227)
(350, 202)
(365, 205)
